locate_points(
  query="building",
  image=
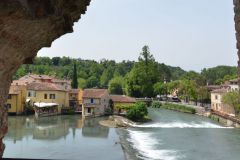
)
(218, 105)
(95, 101)
(65, 83)
(75, 99)
(16, 99)
(32, 78)
(48, 93)
(217, 95)
(233, 84)
(119, 100)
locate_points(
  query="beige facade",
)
(95, 101)
(217, 103)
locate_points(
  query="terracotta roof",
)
(22, 82)
(15, 89)
(40, 76)
(122, 99)
(74, 90)
(45, 87)
(61, 81)
(94, 93)
(222, 90)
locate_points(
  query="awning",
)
(43, 104)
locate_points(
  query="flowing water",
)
(61, 137)
(178, 136)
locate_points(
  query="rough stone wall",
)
(237, 28)
(25, 27)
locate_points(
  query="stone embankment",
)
(117, 122)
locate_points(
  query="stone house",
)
(218, 105)
(119, 100)
(95, 101)
(217, 94)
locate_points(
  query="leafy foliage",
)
(232, 99)
(156, 104)
(180, 108)
(116, 85)
(137, 112)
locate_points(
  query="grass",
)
(178, 107)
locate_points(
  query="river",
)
(170, 136)
(61, 137)
(179, 136)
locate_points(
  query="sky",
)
(191, 34)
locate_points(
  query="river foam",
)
(146, 146)
(180, 125)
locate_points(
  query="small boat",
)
(43, 109)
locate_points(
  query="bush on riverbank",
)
(180, 108)
(156, 104)
(138, 112)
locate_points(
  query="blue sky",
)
(192, 34)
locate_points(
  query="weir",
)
(28, 25)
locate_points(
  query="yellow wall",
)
(61, 97)
(18, 101)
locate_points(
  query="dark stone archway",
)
(25, 27)
(28, 25)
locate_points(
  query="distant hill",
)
(92, 73)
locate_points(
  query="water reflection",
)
(53, 128)
(60, 137)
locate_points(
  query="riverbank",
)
(220, 118)
(117, 122)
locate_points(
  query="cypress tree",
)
(74, 83)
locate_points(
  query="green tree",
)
(82, 83)
(160, 88)
(116, 85)
(74, 83)
(232, 99)
(56, 61)
(92, 82)
(144, 74)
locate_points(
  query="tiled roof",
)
(40, 76)
(74, 91)
(15, 89)
(222, 90)
(122, 99)
(45, 87)
(94, 93)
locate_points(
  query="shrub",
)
(156, 104)
(108, 111)
(180, 108)
(138, 112)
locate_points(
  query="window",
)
(92, 100)
(9, 96)
(31, 94)
(216, 97)
(52, 96)
(45, 96)
(9, 106)
(89, 110)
